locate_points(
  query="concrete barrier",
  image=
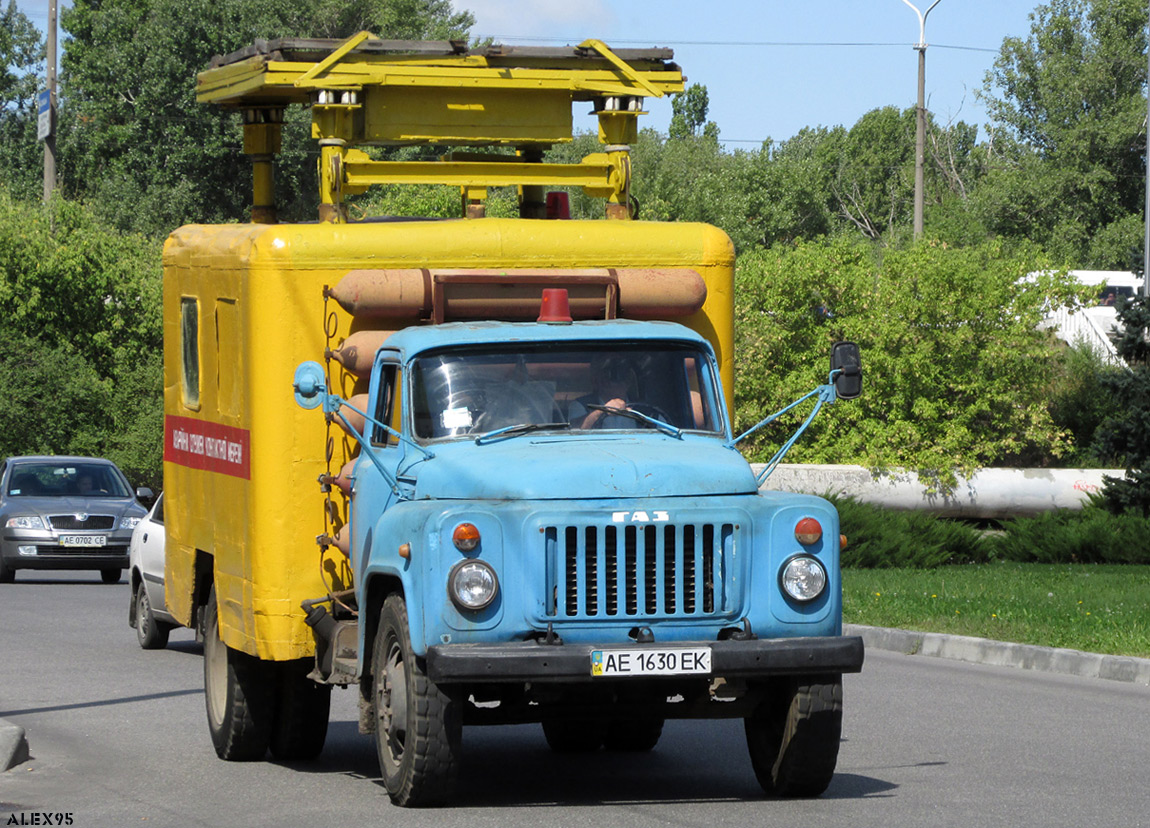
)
(987, 493)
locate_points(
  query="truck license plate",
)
(669, 661)
(83, 540)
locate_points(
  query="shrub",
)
(886, 538)
(1092, 535)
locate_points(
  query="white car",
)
(148, 613)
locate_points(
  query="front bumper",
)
(48, 554)
(567, 663)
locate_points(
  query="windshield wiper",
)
(639, 416)
(516, 430)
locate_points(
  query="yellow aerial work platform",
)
(244, 304)
(370, 92)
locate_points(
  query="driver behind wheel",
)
(615, 385)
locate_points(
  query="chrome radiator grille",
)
(652, 570)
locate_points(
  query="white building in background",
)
(1092, 325)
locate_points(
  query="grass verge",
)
(1098, 608)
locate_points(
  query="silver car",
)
(148, 612)
(66, 513)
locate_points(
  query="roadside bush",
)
(881, 538)
(1093, 535)
(1080, 401)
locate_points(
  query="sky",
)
(773, 67)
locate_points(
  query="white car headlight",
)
(803, 578)
(24, 522)
(472, 585)
(130, 522)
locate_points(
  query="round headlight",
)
(472, 585)
(803, 578)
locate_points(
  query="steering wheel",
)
(629, 411)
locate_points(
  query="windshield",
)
(620, 387)
(67, 479)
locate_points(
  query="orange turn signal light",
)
(465, 537)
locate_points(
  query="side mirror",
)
(145, 495)
(846, 369)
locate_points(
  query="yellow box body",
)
(241, 465)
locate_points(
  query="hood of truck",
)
(549, 468)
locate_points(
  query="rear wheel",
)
(301, 713)
(239, 692)
(419, 728)
(793, 737)
(152, 634)
(574, 735)
(111, 576)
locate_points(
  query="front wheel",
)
(793, 737)
(419, 728)
(152, 634)
(239, 693)
(111, 576)
(7, 574)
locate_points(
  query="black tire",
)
(302, 712)
(419, 727)
(636, 736)
(152, 634)
(239, 695)
(574, 735)
(111, 576)
(7, 575)
(793, 737)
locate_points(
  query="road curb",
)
(13, 745)
(1005, 654)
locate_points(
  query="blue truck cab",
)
(551, 523)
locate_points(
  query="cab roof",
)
(418, 339)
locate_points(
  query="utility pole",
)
(1146, 221)
(920, 120)
(50, 138)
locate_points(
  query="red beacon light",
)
(555, 308)
(558, 205)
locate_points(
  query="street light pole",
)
(1146, 217)
(920, 120)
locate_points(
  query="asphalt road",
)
(117, 737)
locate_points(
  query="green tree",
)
(689, 114)
(136, 143)
(1126, 435)
(788, 187)
(1069, 102)
(81, 342)
(955, 370)
(873, 185)
(21, 66)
